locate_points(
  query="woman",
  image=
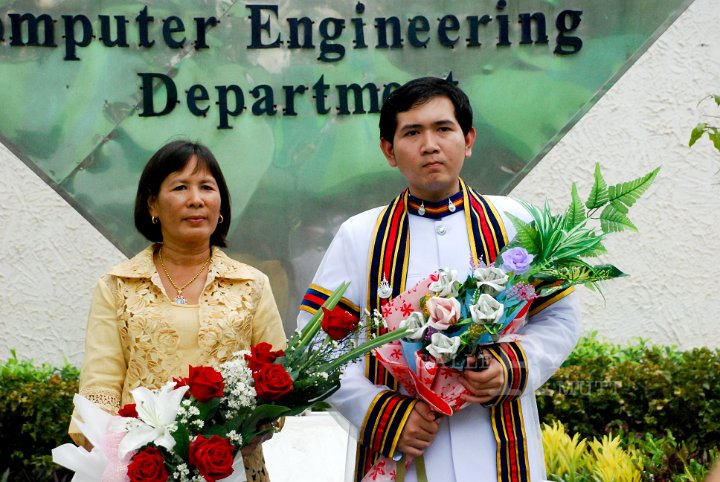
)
(181, 301)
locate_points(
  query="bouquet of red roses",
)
(192, 429)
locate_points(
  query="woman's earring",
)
(154, 219)
(220, 221)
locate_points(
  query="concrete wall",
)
(50, 257)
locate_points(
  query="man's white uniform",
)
(465, 446)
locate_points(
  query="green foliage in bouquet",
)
(316, 355)
(558, 242)
(35, 407)
(655, 394)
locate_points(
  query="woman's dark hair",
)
(173, 157)
(420, 91)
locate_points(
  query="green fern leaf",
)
(527, 235)
(575, 213)
(614, 218)
(599, 194)
(629, 192)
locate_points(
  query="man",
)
(439, 222)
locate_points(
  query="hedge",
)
(661, 402)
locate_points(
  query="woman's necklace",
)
(180, 299)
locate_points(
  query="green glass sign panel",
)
(286, 94)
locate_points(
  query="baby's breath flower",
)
(235, 437)
(181, 472)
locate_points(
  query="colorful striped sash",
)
(388, 261)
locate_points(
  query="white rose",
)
(447, 283)
(444, 312)
(490, 280)
(487, 310)
(416, 323)
(443, 348)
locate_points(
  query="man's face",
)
(429, 149)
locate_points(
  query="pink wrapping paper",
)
(436, 385)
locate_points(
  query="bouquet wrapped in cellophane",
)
(192, 429)
(448, 318)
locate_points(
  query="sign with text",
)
(287, 95)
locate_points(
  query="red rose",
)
(213, 457)
(180, 382)
(147, 466)
(128, 410)
(338, 323)
(205, 383)
(272, 382)
(262, 354)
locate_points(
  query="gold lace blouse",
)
(136, 336)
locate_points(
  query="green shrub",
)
(35, 408)
(655, 394)
(664, 403)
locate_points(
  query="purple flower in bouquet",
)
(521, 291)
(516, 260)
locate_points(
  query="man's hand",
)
(484, 385)
(419, 431)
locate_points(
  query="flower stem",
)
(364, 348)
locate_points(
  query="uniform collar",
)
(436, 209)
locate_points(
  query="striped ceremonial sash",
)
(388, 260)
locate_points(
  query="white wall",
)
(50, 256)
(50, 260)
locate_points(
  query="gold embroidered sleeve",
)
(104, 368)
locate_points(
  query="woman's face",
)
(187, 205)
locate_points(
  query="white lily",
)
(156, 418)
(93, 422)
